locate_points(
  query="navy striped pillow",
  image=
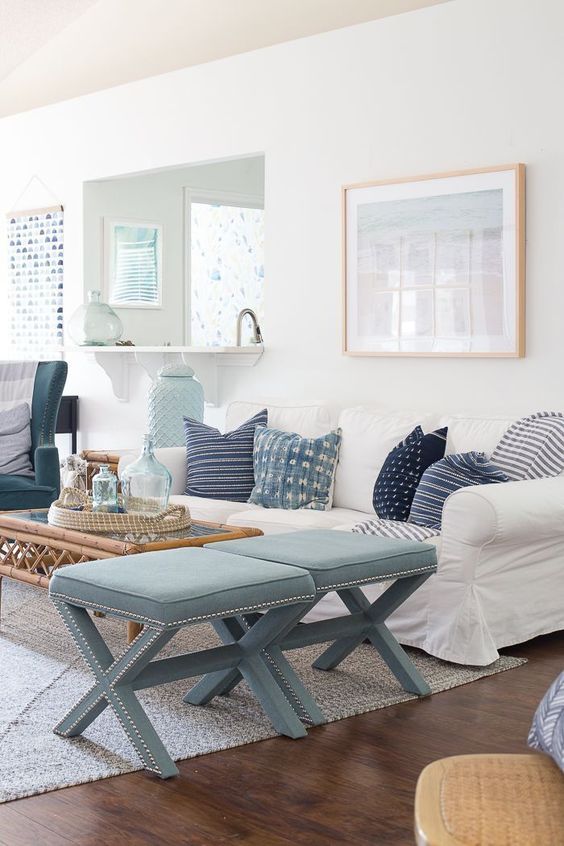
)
(221, 466)
(446, 476)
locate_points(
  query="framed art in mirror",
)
(133, 263)
(435, 265)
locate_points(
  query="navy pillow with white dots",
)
(402, 470)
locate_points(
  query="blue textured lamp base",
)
(174, 394)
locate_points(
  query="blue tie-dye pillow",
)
(293, 472)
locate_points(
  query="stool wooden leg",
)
(133, 629)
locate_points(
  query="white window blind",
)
(135, 265)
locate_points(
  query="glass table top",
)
(196, 530)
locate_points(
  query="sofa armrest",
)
(173, 458)
(510, 512)
(46, 464)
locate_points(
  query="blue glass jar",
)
(95, 323)
(145, 484)
(104, 490)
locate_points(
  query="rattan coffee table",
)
(31, 549)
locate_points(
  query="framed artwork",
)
(133, 263)
(435, 265)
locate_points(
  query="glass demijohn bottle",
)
(104, 490)
(145, 484)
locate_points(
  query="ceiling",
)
(27, 25)
(88, 45)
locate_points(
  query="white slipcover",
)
(500, 577)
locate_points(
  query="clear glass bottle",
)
(145, 484)
(104, 490)
(95, 323)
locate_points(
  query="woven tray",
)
(174, 519)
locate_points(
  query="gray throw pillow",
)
(533, 447)
(15, 441)
(547, 730)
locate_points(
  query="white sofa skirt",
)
(498, 582)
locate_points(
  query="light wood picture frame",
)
(435, 265)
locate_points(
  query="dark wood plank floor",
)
(348, 782)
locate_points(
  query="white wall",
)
(460, 85)
(158, 197)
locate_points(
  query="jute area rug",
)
(42, 675)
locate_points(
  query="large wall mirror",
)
(178, 252)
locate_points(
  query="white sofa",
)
(500, 577)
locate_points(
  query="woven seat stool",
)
(344, 562)
(490, 800)
(165, 591)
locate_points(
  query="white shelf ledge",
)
(205, 361)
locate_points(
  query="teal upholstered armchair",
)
(40, 490)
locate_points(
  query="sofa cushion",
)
(475, 434)
(533, 447)
(446, 476)
(275, 520)
(309, 421)
(178, 586)
(367, 438)
(398, 479)
(20, 492)
(209, 510)
(221, 466)
(293, 472)
(15, 441)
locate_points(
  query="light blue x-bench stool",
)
(342, 562)
(166, 591)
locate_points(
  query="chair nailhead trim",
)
(72, 600)
(384, 578)
(134, 660)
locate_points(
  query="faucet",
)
(257, 334)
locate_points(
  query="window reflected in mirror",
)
(226, 243)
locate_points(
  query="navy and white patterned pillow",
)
(294, 472)
(221, 466)
(547, 730)
(402, 470)
(446, 476)
(395, 529)
(533, 447)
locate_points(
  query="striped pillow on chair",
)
(221, 466)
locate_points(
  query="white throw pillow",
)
(367, 438)
(475, 434)
(308, 421)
